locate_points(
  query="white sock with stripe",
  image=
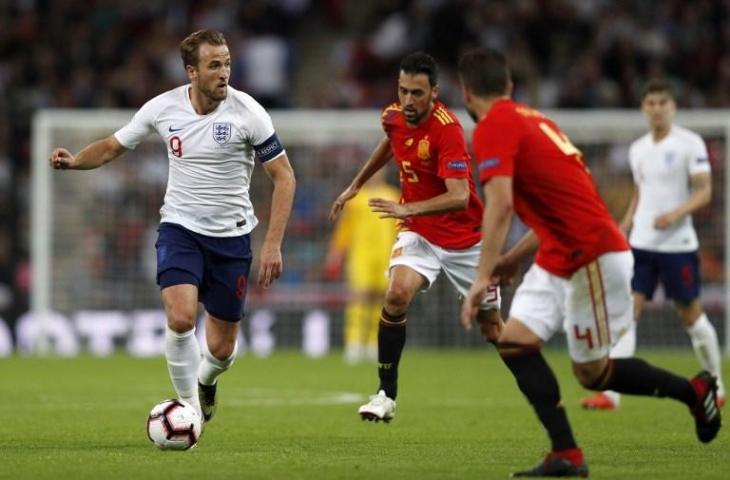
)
(183, 357)
(707, 348)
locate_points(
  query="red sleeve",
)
(387, 127)
(453, 159)
(496, 142)
(388, 117)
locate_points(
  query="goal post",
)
(93, 232)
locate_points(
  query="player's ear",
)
(191, 71)
(434, 91)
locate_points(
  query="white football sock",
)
(625, 347)
(707, 349)
(211, 367)
(183, 357)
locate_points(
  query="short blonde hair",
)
(190, 47)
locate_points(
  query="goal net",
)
(93, 232)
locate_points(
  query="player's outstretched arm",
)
(92, 156)
(271, 265)
(380, 156)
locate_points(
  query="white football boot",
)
(380, 407)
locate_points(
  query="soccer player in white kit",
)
(213, 135)
(671, 174)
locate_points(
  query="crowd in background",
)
(563, 53)
(334, 54)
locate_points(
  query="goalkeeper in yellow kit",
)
(366, 240)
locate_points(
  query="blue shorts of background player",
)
(218, 266)
(678, 273)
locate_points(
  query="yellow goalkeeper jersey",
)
(366, 238)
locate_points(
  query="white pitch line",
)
(306, 398)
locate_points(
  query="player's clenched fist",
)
(61, 159)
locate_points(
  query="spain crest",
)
(424, 147)
(222, 132)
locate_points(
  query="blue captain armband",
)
(270, 149)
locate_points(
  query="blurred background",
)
(293, 55)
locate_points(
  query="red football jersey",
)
(426, 155)
(554, 193)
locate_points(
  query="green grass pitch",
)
(460, 416)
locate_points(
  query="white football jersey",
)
(662, 171)
(211, 158)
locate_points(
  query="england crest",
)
(222, 132)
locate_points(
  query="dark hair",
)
(420, 62)
(190, 47)
(485, 71)
(656, 85)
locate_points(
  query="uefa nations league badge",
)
(222, 132)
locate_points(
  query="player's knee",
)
(490, 325)
(591, 375)
(491, 333)
(509, 350)
(586, 378)
(180, 321)
(397, 299)
(689, 311)
(222, 348)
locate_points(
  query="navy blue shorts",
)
(678, 272)
(218, 266)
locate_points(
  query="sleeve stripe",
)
(445, 113)
(443, 117)
(392, 107)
